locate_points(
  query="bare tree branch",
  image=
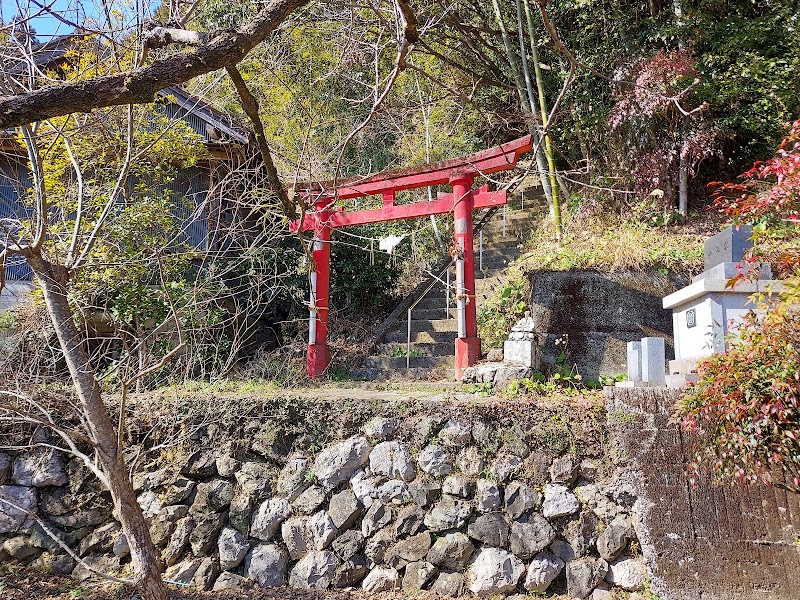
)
(410, 37)
(141, 84)
(250, 106)
(61, 543)
(159, 36)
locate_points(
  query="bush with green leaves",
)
(498, 315)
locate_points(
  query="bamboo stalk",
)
(548, 147)
(526, 103)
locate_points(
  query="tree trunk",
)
(146, 565)
(683, 184)
(655, 8)
(548, 147)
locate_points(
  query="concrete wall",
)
(599, 313)
(706, 542)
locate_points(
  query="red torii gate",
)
(460, 174)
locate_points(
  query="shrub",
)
(747, 401)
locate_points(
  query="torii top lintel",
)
(493, 160)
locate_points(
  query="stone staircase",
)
(433, 324)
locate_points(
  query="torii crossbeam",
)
(460, 174)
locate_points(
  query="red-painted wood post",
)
(468, 344)
(318, 352)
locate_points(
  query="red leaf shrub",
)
(654, 131)
(769, 190)
(746, 403)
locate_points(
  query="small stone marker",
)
(634, 361)
(522, 345)
(653, 362)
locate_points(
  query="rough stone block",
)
(525, 352)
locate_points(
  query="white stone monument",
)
(522, 345)
(705, 312)
(646, 363)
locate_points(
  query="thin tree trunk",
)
(526, 104)
(548, 147)
(683, 180)
(426, 117)
(683, 163)
(655, 8)
(146, 564)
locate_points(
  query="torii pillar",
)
(468, 344)
(319, 355)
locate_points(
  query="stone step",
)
(431, 306)
(426, 314)
(495, 252)
(515, 213)
(429, 325)
(448, 328)
(513, 219)
(497, 239)
(432, 301)
(397, 363)
(512, 225)
(427, 349)
(493, 245)
(421, 337)
(496, 263)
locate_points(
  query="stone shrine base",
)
(499, 374)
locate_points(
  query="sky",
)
(46, 25)
(76, 11)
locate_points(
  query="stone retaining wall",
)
(462, 498)
(459, 506)
(597, 314)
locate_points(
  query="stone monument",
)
(646, 363)
(522, 345)
(705, 312)
(521, 357)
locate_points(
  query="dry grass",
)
(612, 244)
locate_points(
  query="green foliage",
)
(744, 55)
(337, 373)
(499, 313)
(483, 390)
(8, 320)
(606, 380)
(611, 242)
(357, 285)
(748, 61)
(561, 378)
